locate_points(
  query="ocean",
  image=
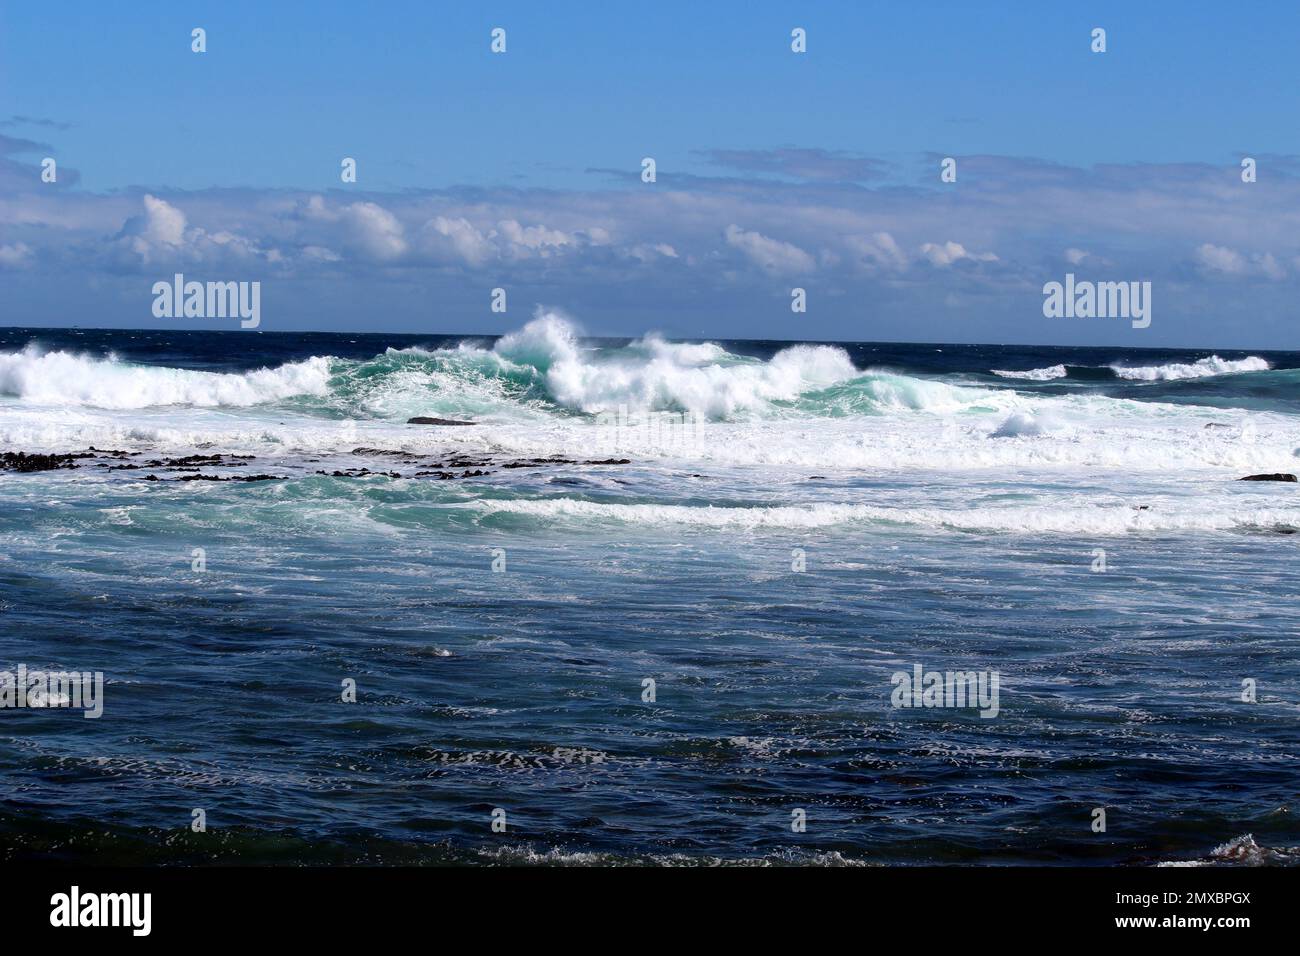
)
(659, 604)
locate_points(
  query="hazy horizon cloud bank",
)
(882, 252)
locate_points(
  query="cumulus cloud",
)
(161, 235)
(771, 255)
(701, 240)
(367, 228)
(523, 240)
(1223, 261)
(162, 223)
(949, 252)
(879, 250)
(458, 239)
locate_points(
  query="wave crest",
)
(1213, 365)
(64, 378)
(1035, 374)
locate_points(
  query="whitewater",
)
(801, 410)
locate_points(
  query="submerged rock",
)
(1277, 476)
(359, 473)
(424, 420)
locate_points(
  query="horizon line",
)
(633, 338)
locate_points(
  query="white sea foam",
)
(890, 391)
(655, 375)
(1201, 369)
(1036, 374)
(62, 378)
(1023, 424)
(1244, 851)
(807, 410)
(1082, 437)
(1107, 517)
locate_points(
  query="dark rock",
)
(376, 452)
(541, 462)
(358, 473)
(206, 460)
(1276, 476)
(423, 420)
(534, 462)
(21, 461)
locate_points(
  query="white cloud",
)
(649, 252)
(1224, 261)
(160, 230)
(524, 240)
(163, 222)
(688, 241)
(15, 255)
(880, 250)
(950, 252)
(320, 254)
(378, 231)
(1221, 259)
(460, 239)
(772, 255)
(366, 228)
(163, 235)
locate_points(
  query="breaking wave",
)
(1244, 851)
(541, 369)
(63, 378)
(1105, 518)
(544, 373)
(1213, 365)
(1036, 374)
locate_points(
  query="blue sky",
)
(775, 169)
